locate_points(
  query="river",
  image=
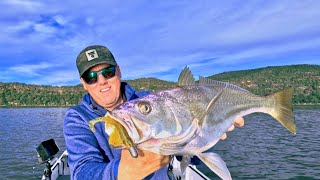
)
(262, 149)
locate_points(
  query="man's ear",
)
(119, 72)
(83, 84)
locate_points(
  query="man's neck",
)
(117, 102)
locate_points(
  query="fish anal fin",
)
(216, 164)
(184, 163)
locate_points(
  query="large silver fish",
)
(191, 118)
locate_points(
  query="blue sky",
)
(39, 40)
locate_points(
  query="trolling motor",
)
(45, 153)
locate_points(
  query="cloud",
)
(273, 22)
(60, 20)
(31, 69)
(23, 4)
(58, 78)
(51, 74)
(156, 39)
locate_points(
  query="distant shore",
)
(311, 106)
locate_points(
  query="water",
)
(21, 131)
(262, 149)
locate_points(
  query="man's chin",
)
(112, 103)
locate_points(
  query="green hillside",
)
(19, 94)
(305, 79)
(151, 84)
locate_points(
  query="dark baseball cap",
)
(94, 55)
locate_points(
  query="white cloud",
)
(43, 28)
(60, 19)
(31, 69)
(58, 78)
(153, 38)
(24, 4)
(278, 21)
(263, 52)
(13, 28)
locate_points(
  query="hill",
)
(305, 79)
(150, 84)
(20, 94)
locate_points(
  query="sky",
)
(40, 39)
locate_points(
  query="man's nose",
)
(102, 79)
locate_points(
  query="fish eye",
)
(144, 108)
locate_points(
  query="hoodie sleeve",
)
(86, 158)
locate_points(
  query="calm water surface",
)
(262, 149)
(21, 131)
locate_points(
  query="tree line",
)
(304, 79)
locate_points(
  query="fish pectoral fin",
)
(201, 115)
(213, 101)
(216, 164)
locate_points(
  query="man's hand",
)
(140, 167)
(238, 123)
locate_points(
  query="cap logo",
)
(91, 54)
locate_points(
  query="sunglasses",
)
(91, 77)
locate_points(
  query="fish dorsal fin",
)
(210, 82)
(186, 78)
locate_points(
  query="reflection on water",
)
(262, 149)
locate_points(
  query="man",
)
(90, 156)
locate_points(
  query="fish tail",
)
(282, 110)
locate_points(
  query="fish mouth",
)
(136, 129)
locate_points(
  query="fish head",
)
(149, 117)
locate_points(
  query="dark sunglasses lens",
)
(109, 72)
(90, 77)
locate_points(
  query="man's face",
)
(105, 92)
